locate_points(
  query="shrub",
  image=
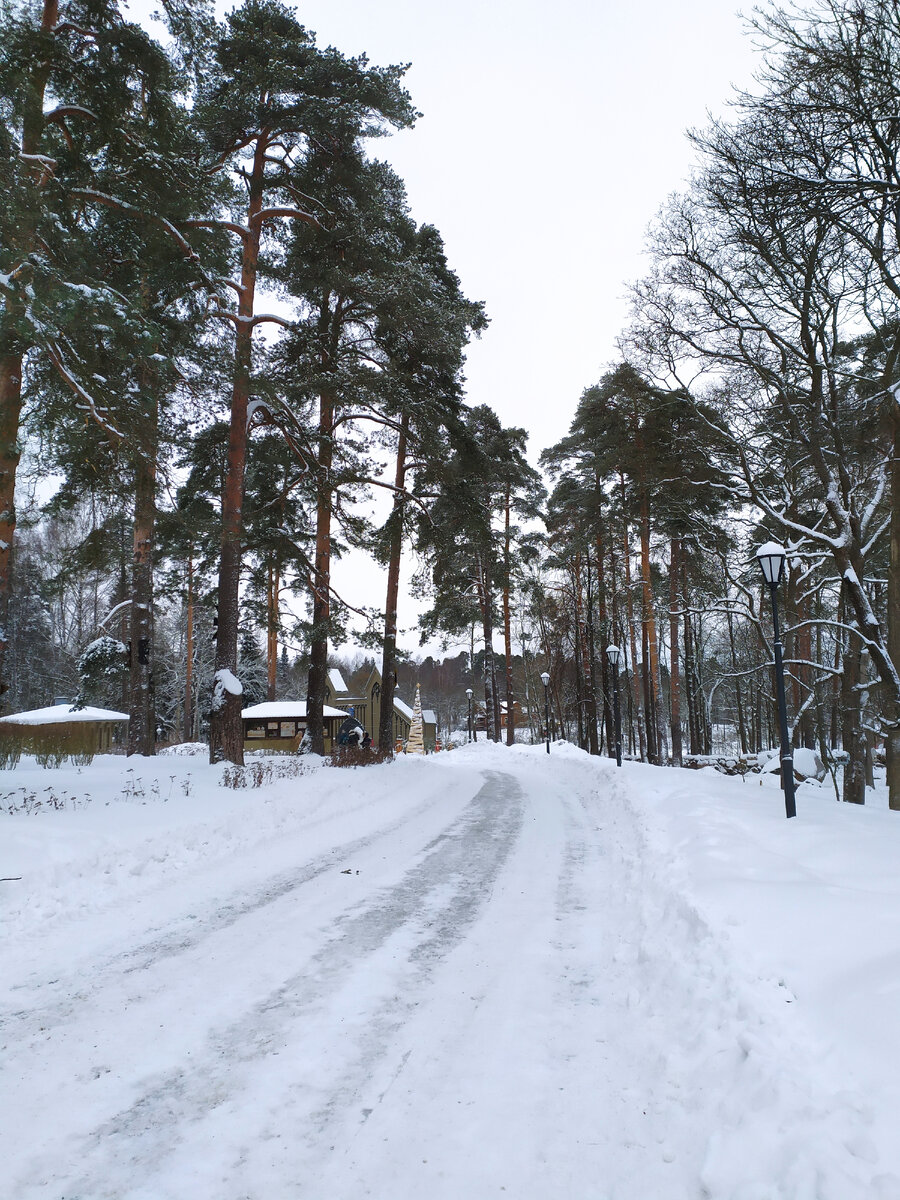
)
(255, 774)
(356, 756)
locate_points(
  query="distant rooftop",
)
(288, 709)
(59, 713)
(336, 679)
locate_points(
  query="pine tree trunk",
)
(893, 613)
(804, 671)
(507, 630)
(142, 708)
(702, 710)
(11, 353)
(870, 758)
(579, 665)
(321, 583)
(694, 735)
(10, 412)
(487, 630)
(648, 621)
(273, 588)
(674, 652)
(652, 752)
(590, 667)
(225, 727)
(189, 652)
(389, 648)
(472, 669)
(852, 731)
(739, 704)
(629, 616)
(607, 633)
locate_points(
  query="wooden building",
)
(281, 724)
(366, 707)
(60, 731)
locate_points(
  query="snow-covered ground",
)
(489, 973)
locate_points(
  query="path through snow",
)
(507, 996)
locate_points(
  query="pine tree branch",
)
(122, 206)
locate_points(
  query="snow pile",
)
(186, 750)
(226, 683)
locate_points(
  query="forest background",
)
(224, 333)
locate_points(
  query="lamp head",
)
(771, 558)
(469, 693)
(613, 654)
(545, 678)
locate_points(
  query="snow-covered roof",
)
(287, 710)
(403, 709)
(336, 679)
(55, 714)
(429, 716)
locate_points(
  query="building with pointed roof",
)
(366, 707)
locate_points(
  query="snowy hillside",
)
(482, 974)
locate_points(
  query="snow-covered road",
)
(461, 978)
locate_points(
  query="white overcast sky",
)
(550, 135)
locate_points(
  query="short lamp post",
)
(545, 680)
(771, 558)
(612, 655)
(469, 698)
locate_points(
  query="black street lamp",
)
(771, 558)
(612, 656)
(469, 697)
(545, 680)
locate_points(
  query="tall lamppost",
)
(612, 657)
(545, 680)
(469, 697)
(771, 558)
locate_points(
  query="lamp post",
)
(469, 698)
(771, 558)
(545, 680)
(612, 656)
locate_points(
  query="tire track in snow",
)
(188, 933)
(393, 940)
